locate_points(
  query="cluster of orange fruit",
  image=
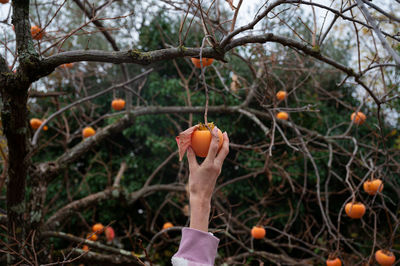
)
(116, 104)
(383, 257)
(36, 123)
(359, 117)
(281, 95)
(356, 210)
(98, 229)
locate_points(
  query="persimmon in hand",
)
(201, 139)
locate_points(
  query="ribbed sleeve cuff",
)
(198, 246)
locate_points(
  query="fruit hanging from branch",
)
(92, 236)
(110, 234)
(385, 258)
(334, 262)
(88, 132)
(358, 118)
(282, 116)
(98, 228)
(373, 186)
(67, 65)
(258, 232)
(167, 225)
(281, 95)
(37, 32)
(36, 123)
(204, 61)
(118, 104)
(355, 210)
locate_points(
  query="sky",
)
(246, 14)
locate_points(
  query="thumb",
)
(191, 159)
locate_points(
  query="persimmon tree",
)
(291, 176)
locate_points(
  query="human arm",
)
(198, 247)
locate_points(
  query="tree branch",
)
(72, 238)
(82, 100)
(385, 44)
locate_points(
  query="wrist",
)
(200, 202)
(199, 213)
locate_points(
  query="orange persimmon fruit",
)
(98, 228)
(118, 104)
(109, 232)
(384, 257)
(334, 262)
(36, 123)
(358, 118)
(4, 1)
(167, 225)
(201, 139)
(85, 248)
(281, 95)
(356, 210)
(282, 115)
(205, 61)
(92, 236)
(258, 232)
(372, 186)
(67, 65)
(88, 132)
(36, 32)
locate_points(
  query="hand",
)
(202, 180)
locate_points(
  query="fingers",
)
(213, 149)
(223, 152)
(192, 159)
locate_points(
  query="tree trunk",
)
(14, 118)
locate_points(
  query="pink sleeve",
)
(197, 248)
